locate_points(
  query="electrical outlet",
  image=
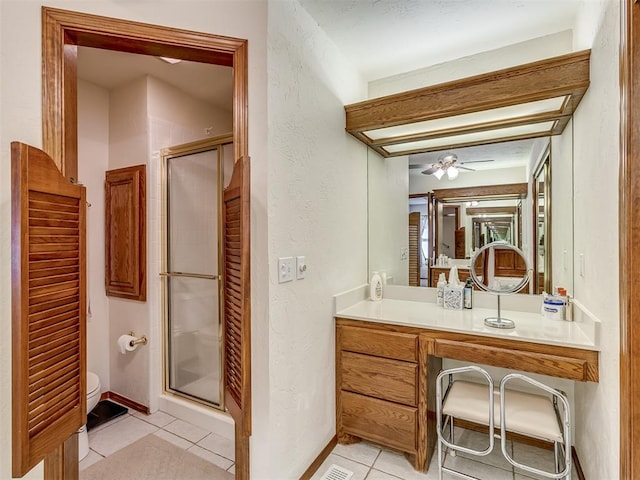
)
(404, 253)
(285, 269)
(301, 267)
(582, 264)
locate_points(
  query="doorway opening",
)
(63, 32)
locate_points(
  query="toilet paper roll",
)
(125, 344)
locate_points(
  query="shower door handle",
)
(190, 275)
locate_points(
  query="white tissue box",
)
(453, 297)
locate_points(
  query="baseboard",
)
(319, 459)
(116, 397)
(576, 462)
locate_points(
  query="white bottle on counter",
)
(375, 287)
(442, 282)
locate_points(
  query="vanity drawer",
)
(536, 362)
(380, 421)
(391, 380)
(399, 346)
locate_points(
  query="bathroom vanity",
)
(389, 353)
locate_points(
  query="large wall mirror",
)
(518, 191)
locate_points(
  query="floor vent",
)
(337, 473)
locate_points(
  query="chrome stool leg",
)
(543, 409)
(441, 409)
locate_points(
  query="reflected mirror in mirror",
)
(414, 217)
(502, 269)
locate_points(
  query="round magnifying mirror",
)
(502, 269)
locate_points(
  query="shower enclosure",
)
(193, 177)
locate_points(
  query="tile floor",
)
(370, 462)
(365, 460)
(120, 432)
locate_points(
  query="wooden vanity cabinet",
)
(386, 373)
(381, 390)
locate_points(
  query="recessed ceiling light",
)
(170, 60)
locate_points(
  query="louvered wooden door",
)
(237, 309)
(414, 249)
(48, 306)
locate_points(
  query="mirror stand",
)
(490, 263)
(499, 322)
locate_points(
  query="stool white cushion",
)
(528, 414)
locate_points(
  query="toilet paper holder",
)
(138, 340)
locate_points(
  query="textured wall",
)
(596, 143)
(516, 54)
(317, 208)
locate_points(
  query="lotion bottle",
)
(375, 287)
(468, 294)
(442, 282)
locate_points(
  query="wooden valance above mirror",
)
(532, 100)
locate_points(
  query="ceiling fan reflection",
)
(448, 164)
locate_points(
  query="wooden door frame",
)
(62, 32)
(629, 219)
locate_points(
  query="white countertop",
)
(531, 327)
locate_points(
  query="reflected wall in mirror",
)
(457, 225)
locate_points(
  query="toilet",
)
(93, 397)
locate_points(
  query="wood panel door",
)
(237, 309)
(48, 306)
(126, 233)
(460, 243)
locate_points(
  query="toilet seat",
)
(93, 383)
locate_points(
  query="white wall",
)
(596, 142)
(181, 118)
(21, 119)
(317, 208)
(93, 158)
(388, 192)
(512, 55)
(128, 133)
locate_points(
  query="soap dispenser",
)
(375, 287)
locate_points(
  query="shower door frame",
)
(191, 148)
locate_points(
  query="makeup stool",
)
(527, 414)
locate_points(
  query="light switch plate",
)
(285, 269)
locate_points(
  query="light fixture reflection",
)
(452, 172)
(438, 173)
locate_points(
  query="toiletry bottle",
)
(468, 294)
(442, 282)
(375, 287)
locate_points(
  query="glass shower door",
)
(192, 281)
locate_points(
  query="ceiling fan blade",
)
(431, 170)
(465, 168)
(476, 161)
(419, 165)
